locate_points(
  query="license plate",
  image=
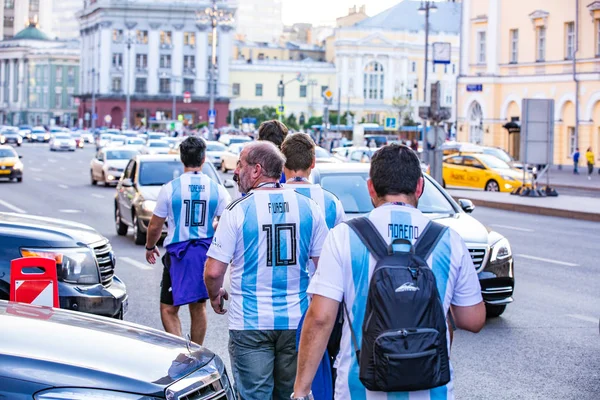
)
(4, 171)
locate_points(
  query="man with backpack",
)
(397, 275)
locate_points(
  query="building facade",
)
(514, 50)
(380, 60)
(39, 78)
(17, 14)
(153, 51)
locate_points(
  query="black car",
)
(49, 354)
(85, 262)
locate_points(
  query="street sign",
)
(475, 88)
(187, 97)
(391, 124)
(94, 117)
(280, 110)
(180, 117)
(212, 113)
(211, 120)
(107, 118)
(328, 94)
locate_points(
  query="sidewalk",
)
(566, 179)
(562, 206)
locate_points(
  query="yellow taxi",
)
(482, 171)
(10, 165)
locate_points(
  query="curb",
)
(559, 186)
(547, 211)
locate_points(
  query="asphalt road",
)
(545, 346)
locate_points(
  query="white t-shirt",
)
(330, 205)
(190, 203)
(269, 237)
(344, 275)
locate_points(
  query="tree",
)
(291, 122)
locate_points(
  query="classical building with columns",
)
(153, 50)
(38, 79)
(382, 58)
(514, 50)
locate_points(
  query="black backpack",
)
(404, 346)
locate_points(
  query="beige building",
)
(513, 50)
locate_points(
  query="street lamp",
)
(213, 17)
(128, 41)
(427, 7)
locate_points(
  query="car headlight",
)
(46, 136)
(501, 250)
(18, 166)
(34, 136)
(87, 394)
(508, 178)
(2, 139)
(148, 206)
(73, 265)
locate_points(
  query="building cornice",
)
(538, 15)
(480, 19)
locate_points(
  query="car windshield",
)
(120, 154)
(7, 153)
(158, 144)
(105, 137)
(321, 153)
(501, 154)
(157, 173)
(63, 137)
(352, 191)
(493, 162)
(156, 136)
(242, 139)
(215, 147)
(135, 141)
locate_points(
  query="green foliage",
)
(261, 114)
(201, 125)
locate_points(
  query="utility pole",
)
(426, 7)
(129, 26)
(281, 87)
(93, 98)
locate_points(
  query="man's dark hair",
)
(273, 131)
(268, 156)
(192, 151)
(299, 151)
(395, 169)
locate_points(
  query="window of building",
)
(541, 43)
(210, 39)
(117, 60)
(71, 76)
(572, 139)
(141, 61)
(165, 61)
(280, 91)
(373, 81)
(258, 91)
(302, 91)
(9, 22)
(597, 38)
(189, 38)
(261, 56)
(188, 85)
(141, 85)
(34, 5)
(165, 37)
(142, 37)
(409, 94)
(58, 75)
(413, 67)
(58, 100)
(445, 68)
(481, 45)
(569, 40)
(164, 85)
(189, 62)
(235, 89)
(116, 84)
(9, 4)
(117, 35)
(514, 46)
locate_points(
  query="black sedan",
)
(48, 354)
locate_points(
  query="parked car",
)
(139, 187)
(62, 141)
(11, 167)
(39, 134)
(156, 147)
(135, 142)
(50, 354)
(109, 163)
(85, 262)
(103, 140)
(230, 158)
(117, 140)
(25, 131)
(490, 251)
(155, 136)
(11, 136)
(228, 140)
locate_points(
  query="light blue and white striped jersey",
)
(269, 237)
(190, 203)
(330, 205)
(349, 267)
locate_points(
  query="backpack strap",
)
(354, 341)
(429, 239)
(370, 236)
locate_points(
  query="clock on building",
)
(441, 52)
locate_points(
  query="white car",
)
(228, 140)
(109, 163)
(62, 141)
(215, 151)
(230, 157)
(117, 140)
(156, 147)
(323, 156)
(135, 142)
(87, 136)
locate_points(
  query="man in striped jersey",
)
(395, 185)
(268, 236)
(189, 204)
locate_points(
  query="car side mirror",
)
(466, 205)
(127, 182)
(229, 183)
(20, 156)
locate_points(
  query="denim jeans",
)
(263, 363)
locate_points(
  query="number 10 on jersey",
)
(281, 244)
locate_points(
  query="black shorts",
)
(166, 293)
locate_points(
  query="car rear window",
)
(157, 173)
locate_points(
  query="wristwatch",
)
(309, 396)
(151, 248)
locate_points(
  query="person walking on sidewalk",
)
(189, 204)
(576, 161)
(589, 156)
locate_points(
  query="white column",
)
(493, 42)
(105, 58)
(177, 62)
(224, 54)
(11, 81)
(153, 55)
(2, 74)
(343, 74)
(21, 83)
(389, 78)
(201, 63)
(358, 77)
(465, 53)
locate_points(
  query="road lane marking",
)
(13, 208)
(51, 160)
(567, 264)
(70, 211)
(35, 169)
(583, 318)
(98, 196)
(135, 263)
(514, 228)
(62, 186)
(37, 179)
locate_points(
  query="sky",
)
(324, 12)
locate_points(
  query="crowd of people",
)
(307, 289)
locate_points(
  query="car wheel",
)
(20, 179)
(138, 236)
(223, 167)
(18, 144)
(121, 227)
(493, 311)
(94, 182)
(492, 186)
